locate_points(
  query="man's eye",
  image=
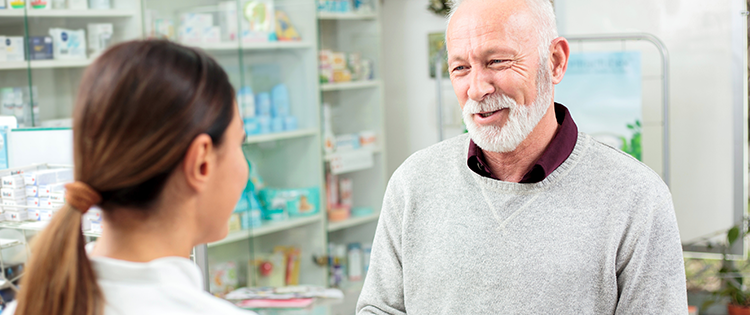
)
(497, 61)
(459, 68)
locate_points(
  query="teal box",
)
(296, 202)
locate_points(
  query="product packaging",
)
(338, 61)
(258, 23)
(32, 202)
(68, 44)
(32, 191)
(346, 189)
(100, 4)
(193, 25)
(252, 126)
(367, 138)
(264, 124)
(285, 31)
(3, 54)
(45, 203)
(347, 142)
(46, 214)
(251, 219)
(64, 175)
(211, 35)
(40, 48)
(295, 202)
(40, 4)
(355, 262)
(100, 37)
(332, 190)
(96, 227)
(366, 251)
(78, 4)
(13, 193)
(329, 139)
(2, 6)
(247, 102)
(13, 181)
(34, 214)
(277, 124)
(223, 278)
(57, 197)
(39, 178)
(14, 48)
(16, 4)
(228, 20)
(263, 104)
(16, 216)
(290, 123)
(280, 98)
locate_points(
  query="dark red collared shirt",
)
(557, 151)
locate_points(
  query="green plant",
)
(731, 274)
(634, 147)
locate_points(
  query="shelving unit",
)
(44, 64)
(268, 228)
(356, 106)
(70, 13)
(281, 136)
(234, 46)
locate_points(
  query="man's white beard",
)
(522, 119)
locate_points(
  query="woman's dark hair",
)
(139, 107)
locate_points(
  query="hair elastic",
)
(81, 196)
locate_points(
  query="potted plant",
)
(733, 285)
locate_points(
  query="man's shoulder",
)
(622, 167)
(435, 159)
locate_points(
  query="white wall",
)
(410, 108)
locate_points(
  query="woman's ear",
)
(559, 54)
(199, 162)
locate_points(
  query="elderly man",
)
(525, 215)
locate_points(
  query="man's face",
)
(494, 66)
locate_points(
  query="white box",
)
(16, 216)
(35, 214)
(13, 193)
(32, 191)
(14, 48)
(39, 178)
(57, 205)
(57, 197)
(46, 215)
(95, 214)
(2, 47)
(32, 202)
(45, 203)
(46, 190)
(85, 223)
(14, 202)
(13, 181)
(100, 37)
(96, 227)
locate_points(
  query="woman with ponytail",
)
(157, 145)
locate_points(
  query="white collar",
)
(175, 271)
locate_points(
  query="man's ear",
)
(559, 54)
(198, 162)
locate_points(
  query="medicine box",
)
(40, 178)
(13, 181)
(32, 202)
(40, 48)
(32, 191)
(45, 203)
(16, 216)
(14, 48)
(3, 5)
(35, 214)
(46, 190)
(96, 227)
(12, 193)
(46, 215)
(64, 175)
(57, 197)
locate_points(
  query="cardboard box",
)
(57, 197)
(13, 181)
(14, 48)
(45, 203)
(32, 191)
(13, 193)
(32, 202)
(96, 227)
(35, 214)
(39, 178)
(46, 215)
(40, 48)
(16, 216)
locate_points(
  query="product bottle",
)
(329, 139)
(355, 262)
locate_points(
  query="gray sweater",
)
(597, 236)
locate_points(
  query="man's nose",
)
(481, 85)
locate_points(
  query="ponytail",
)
(59, 279)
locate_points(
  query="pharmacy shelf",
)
(282, 135)
(353, 221)
(37, 226)
(267, 228)
(234, 46)
(375, 150)
(325, 87)
(70, 13)
(44, 64)
(346, 16)
(7, 243)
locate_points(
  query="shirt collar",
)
(556, 153)
(175, 271)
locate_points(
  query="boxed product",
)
(45, 203)
(259, 22)
(211, 34)
(96, 226)
(39, 178)
(290, 123)
(13, 193)
(277, 124)
(228, 20)
(32, 202)
(40, 48)
(13, 181)
(338, 61)
(68, 44)
(285, 31)
(16, 4)
(295, 202)
(346, 189)
(347, 142)
(47, 190)
(16, 216)
(223, 278)
(64, 175)
(14, 48)
(280, 98)
(57, 197)
(32, 191)
(46, 215)
(35, 214)
(193, 26)
(40, 4)
(100, 37)
(367, 138)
